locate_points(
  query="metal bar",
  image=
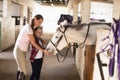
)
(100, 67)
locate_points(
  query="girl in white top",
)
(24, 38)
(36, 57)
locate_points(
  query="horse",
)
(82, 34)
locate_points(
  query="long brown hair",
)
(38, 16)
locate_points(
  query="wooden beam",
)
(99, 0)
(103, 1)
(89, 62)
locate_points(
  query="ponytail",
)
(37, 17)
(32, 24)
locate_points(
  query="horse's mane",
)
(80, 26)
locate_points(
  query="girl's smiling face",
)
(38, 32)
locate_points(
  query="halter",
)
(56, 44)
(83, 43)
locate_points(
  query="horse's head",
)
(58, 41)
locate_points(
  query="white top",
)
(40, 53)
(23, 39)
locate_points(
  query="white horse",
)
(82, 33)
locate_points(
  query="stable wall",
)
(1, 8)
(85, 62)
(7, 33)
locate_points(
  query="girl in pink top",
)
(24, 38)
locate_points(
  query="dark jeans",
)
(36, 69)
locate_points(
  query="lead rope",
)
(118, 58)
(66, 51)
(112, 60)
(60, 61)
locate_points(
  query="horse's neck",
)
(78, 36)
(74, 35)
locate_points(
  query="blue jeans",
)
(36, 69)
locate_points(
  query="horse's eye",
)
(56, 37)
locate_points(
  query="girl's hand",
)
(45, 51)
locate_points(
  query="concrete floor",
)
(51, 70)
